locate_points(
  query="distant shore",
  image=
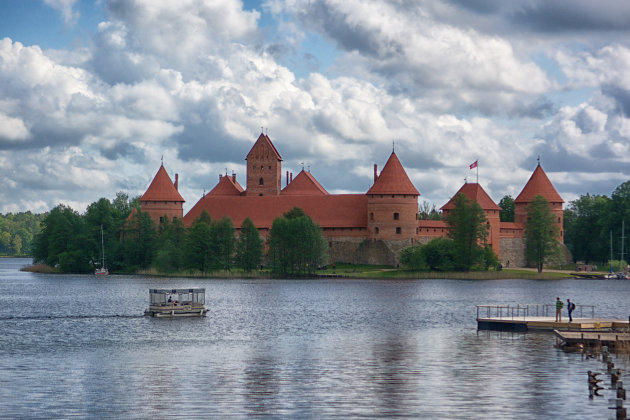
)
(350, 271)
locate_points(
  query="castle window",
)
(396, 216)
(558, 220)
(270, 167)
(372, 216)
(260, 181)
(261, 168)
(376, 230)
(398, 230)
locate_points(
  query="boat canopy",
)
(182, 296)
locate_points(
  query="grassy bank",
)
(358, 271)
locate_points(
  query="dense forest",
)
(17, 231)
(71, 242)
(595, 226)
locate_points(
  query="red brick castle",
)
(360, 228)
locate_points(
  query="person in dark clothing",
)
(570, 309)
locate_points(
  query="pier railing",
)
(522, 311)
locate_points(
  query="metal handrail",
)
(523, 311)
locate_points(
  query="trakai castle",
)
(360, 228)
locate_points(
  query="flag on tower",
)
(474, 164)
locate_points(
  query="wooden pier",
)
(595, 338)
(524, 318)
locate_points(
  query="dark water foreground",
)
(77, 346)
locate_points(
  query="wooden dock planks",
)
(542, 323)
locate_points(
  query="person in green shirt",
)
(559, 306)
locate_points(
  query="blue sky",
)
(94, 93)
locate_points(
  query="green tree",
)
(199, 247)
(619, 215)
(507, 209)
(249, 248)
(541, 232)
(586, 228)
(103, 214)
(169, 256)
(440, 254)
(5, 241)
(124, 204)
(296, 244)
(467, 229)
(16, 244)
(139, 242)
(225, 242)
(61, 241)
(428, 211)
(413, 258)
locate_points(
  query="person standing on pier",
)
(559, 306)
(570, 309)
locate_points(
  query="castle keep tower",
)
(539, 184)
(476, 193)
(392, 205)
(264, 167)
(162, 198)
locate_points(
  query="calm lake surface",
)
(78, 346)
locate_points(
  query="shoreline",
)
(348, 272)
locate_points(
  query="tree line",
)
(17, 231)
(595, 226)
(71, 242)
(466, 246)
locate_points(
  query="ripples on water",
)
(78, 346)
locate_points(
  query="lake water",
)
(78, 346)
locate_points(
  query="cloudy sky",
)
(94, 94)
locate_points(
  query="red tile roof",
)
(304, 184)
(162, 188)
(511, 225)
(264, 139)
(432, 224)
(227, 186)
(539, 184)
(346, 210)
(393, 179)
(476, 193)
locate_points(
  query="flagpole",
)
(477, 171)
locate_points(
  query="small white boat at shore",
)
(175, 303)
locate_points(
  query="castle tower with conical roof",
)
(475, 192)
(392, 205)
(264, 167)
(539, 184)
(162, 199)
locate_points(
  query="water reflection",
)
(283, 348)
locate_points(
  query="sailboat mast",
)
(611, 251)
(623, 239)
(102, 247)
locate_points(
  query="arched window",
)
(260, 181)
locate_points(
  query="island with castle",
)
(369, 228)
